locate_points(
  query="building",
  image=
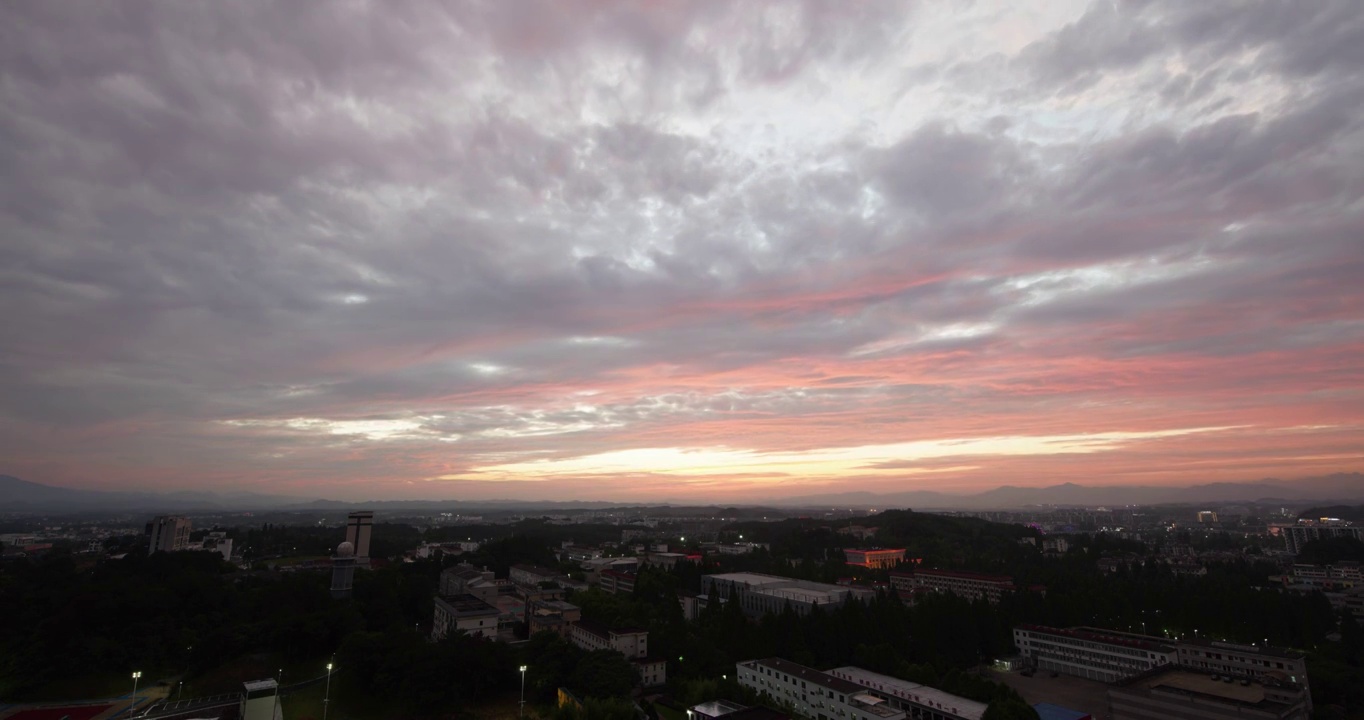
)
(875, 557)
(1295, 536)
(1179, 693)
(578, 553)
(260, 701)
(1339, 576)
(1056, 544)
(920, 702)
(556, 616)
(615, 581)
(532, 575)
(814, 694)
(465, 579)
(1285, 668)
(1092, 653)
(968, 585)
(633, 643)
(760, 594)
(169, 533)
(218, 542)
(464, 612)
(343, 570)
(1207, 517)
(359, 527)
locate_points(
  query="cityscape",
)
(682, 360)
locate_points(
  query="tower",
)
(169, 533)
(359, 524)
(343, 570)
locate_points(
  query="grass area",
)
(228, 677)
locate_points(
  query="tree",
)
(603, 674)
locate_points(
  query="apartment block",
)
(169, 533)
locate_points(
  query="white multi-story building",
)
(464, 612)
(630, 642)
(465, 579)
(1284, 667)
(814, 694)
(1295, 536)
(921, 702)
(1093, 653)
(169, 533)
(760, 594)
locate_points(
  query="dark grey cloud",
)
(260, 213)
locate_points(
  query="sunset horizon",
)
(694, 252)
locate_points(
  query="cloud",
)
(340, 251)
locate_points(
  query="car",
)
(1227, 678)
(1055, 674)
(1026, 673)
(1245, 682)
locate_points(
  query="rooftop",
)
(1189, 682)
(809, 675)
(466, 606)
(964, 575)
(906, 690)
(1262, 650)
(1101, 635)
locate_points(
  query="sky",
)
(689, 251)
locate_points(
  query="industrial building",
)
(760, 594)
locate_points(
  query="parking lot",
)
(1071, 692)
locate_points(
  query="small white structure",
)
(260, 701)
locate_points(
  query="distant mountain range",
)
(1338, 487)
(28, 497)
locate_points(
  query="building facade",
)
(875, 557)
(467, 613)
(1091, 653)
(1295, 536)
(633, 643)
(968, 585)
(760, 594)
(359, 527)
(919, 702)
(169, 533)
(814, 694)
(1283, 668)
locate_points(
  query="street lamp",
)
(327, 698)
(181, 692)
(136, 675)
(523, 692)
